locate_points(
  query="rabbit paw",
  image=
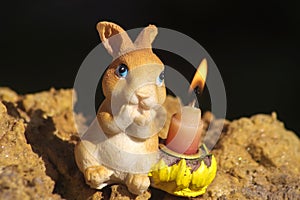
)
(142, 120)
(96, 176)
(145, 118)
(137, 183)
(125, 116)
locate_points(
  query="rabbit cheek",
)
(109, 83)
(150, 102)
(161, 95)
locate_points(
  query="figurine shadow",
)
(58, 156)
(11, 109)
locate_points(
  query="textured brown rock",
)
(257, 157)
(52, 134)
(6, 94)
(120, 192)
(22, 172)
(55, 105)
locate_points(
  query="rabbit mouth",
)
(144, 106)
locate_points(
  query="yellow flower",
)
(179, 179)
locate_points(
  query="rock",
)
(54, 105)
(22, 172)
(6, 94)
(120, 192)
(257, 157)
(52, 134)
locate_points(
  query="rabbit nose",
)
(142, 95)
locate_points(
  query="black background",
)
(255, 45)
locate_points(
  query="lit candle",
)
(185, 131)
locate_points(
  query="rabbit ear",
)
(114, 38)
(146, 37)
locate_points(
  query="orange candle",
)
(185, 131)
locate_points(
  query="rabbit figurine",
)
(122, 143)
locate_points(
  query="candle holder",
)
(183, 175)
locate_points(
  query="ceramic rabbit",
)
(131, 115)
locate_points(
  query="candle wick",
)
(192, 104)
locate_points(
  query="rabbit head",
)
(136, 74)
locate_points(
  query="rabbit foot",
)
(96, 176)
(137, 183)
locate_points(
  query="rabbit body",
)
(131, 115)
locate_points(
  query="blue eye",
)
(160, 79)
(122, 71)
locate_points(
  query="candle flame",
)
(199, 77)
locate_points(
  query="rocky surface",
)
(257, 157)
(22, 172)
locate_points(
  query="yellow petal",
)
(164, 173)
(174, 172)
(183, 178)
(212, 170)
